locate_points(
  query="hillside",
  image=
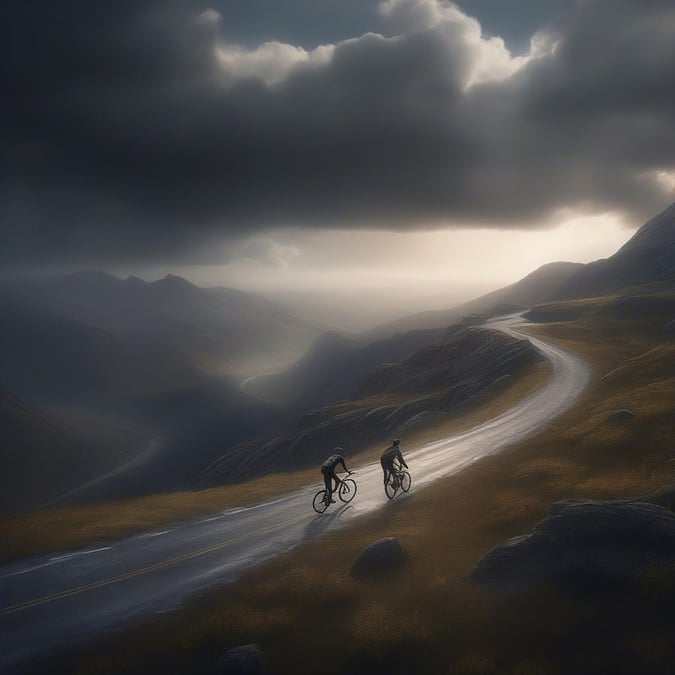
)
(432, 383)
(336, 363)
(333, 367)
(89, 342)
(197, 422)
(166, 355)
(45, 455)
(61, 363)
(536, 287)
(648, 258)
(211, 330)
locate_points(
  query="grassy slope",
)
(57, 529)
(309, 616)
(45, 455)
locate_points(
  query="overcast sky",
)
(259, 142)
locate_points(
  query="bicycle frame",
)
(396, 481)
(345, 490)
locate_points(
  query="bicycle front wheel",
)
(347, 490)
(406, 481)
(319, 501)
(390, 488)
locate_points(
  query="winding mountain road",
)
(56, 600)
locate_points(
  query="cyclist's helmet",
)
(339, 451)
(397, 441)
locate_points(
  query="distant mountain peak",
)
(174, 279)
(132, 279)
(173, 282)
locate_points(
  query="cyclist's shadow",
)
(322, 522)
(400, 499)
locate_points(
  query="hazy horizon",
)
(356, 280)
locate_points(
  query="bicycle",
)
(346, 491)
(398, 479)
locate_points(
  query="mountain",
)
(166, 355)
(647, 258)
(45, 455)
(216, 330)
(91, 339)
(333, 367)
(536, 287)
(63, 364)
(434, 382)
(196, 423)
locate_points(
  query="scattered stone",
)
(583, 546)
(620, 416)
(383, 555)
(242, 660)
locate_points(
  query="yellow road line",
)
(128, 575)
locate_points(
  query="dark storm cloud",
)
(594, 118)
(131, 129)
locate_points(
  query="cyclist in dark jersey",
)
(391, 454)
(328, 471)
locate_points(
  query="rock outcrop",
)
(583, 546)
(380, 557)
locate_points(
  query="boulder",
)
(583, 546)
(620, 416)
(380, 557)
(241, 660)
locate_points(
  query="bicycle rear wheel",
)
(347, 490)
(406, 481)
(391, 488)
(319, 501)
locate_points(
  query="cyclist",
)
(389, 456)
(328, 471)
